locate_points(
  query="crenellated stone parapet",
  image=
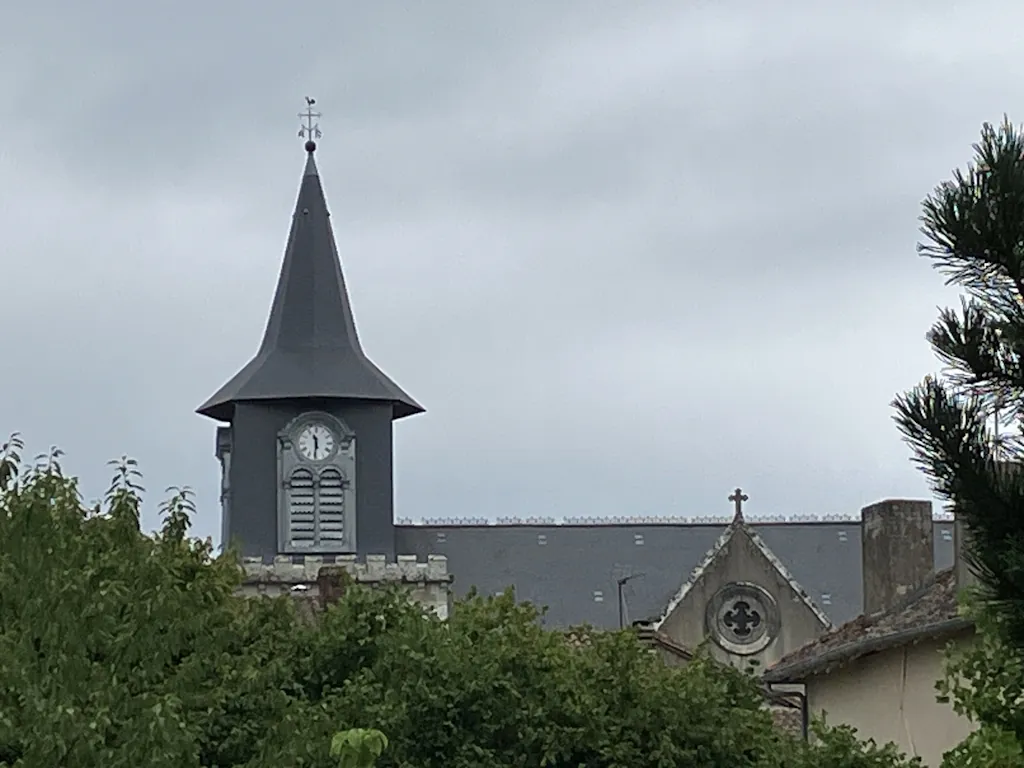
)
(429, 583)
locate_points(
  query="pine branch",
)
(954, 447)
(974, 229)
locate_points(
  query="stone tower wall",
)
(428, 583)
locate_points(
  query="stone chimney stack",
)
(897, 550)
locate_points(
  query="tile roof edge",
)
(867, 620)
(662, 640)
(798, 671)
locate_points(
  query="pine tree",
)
(963, 425)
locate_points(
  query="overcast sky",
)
(628, 255)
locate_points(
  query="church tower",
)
(306, 453)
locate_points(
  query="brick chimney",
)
(897, 550)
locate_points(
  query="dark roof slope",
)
(574, 569)
(931, 611)
(310, 348)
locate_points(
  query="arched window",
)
(316, 508)
(302, 509)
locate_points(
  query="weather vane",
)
(311, 127)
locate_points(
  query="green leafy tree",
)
(358, 747)
(119, 649)
(839, 747)
(114, 646)
(984, 682)
(490, 687)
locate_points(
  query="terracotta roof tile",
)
(930, 610)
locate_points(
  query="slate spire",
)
(310, 347)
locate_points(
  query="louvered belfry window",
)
(302, 508)
(316, 508)
(331, 507)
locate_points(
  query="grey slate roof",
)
(310, 348)
(573, 569)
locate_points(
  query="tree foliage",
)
(974, 225)
(119, 649)
(111, 643)
(358, 747)
(984, 682)
(964, 430)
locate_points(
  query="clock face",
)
(316, 442)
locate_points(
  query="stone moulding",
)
(375, 570)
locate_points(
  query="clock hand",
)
(316, 445)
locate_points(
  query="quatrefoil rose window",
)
(742, 618)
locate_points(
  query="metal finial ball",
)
(310, 146)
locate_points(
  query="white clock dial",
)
(316, 442)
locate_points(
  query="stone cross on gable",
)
(737, 498)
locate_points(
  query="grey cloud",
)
(628, 255)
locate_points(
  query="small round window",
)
(742, 618)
